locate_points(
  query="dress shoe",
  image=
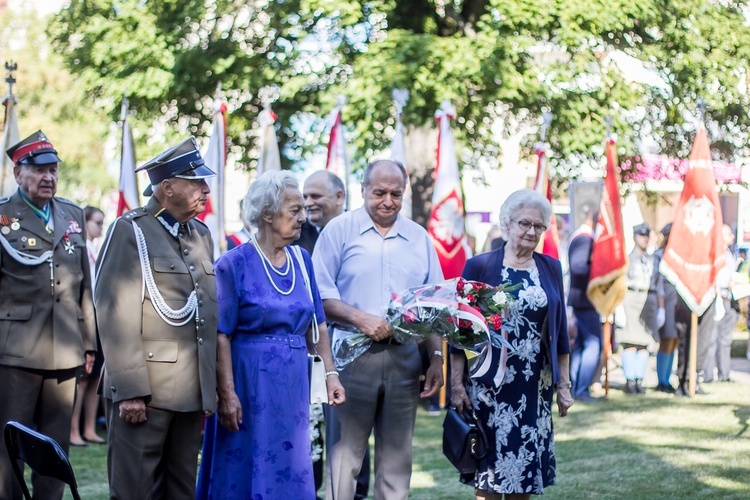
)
(639, 389)
(629, 387)
(665, 388)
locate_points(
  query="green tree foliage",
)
(50, 99)
(491, 58)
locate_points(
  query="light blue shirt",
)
(354, 263)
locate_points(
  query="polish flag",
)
(609, 262)
(550, 241)
(446, 223)
(337, 160)
(269, 157)
(128, 186)
(695, 251)
(8, 183)
(216, 159)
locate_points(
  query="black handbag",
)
(464, 441)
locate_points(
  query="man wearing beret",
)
(47, 327)
(156, 296)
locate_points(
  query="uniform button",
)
(8, 315)
(171, 266)
(57, 299)
(200, 303)
(58, 282)
(192, 268)
(57, 264)
(200, 341)
(114, 389)
(151, 355)
(203, 321)
(186, 251)
(197, 286)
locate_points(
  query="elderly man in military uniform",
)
(47, 326)
(156, 296)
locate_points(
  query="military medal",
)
(69, 247)
(32, 242)
(5, 230)
(15, 226)
(4, 221)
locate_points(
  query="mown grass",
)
(656, 446)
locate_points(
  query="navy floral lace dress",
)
(517, 416)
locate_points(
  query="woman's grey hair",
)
(264, 195)
(524, 198)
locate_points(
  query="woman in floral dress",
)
(517, 415)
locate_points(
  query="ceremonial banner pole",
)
(693, 355)
(607, 346)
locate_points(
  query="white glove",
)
(620, 319)
(661, 317)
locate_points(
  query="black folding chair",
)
(41, 453)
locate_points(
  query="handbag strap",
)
(306, 277)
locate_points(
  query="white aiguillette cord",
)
(167, 313)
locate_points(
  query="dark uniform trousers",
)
(46, 326)
(171, 366)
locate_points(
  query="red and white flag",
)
(8, 183)
(216, 159)
(609, 262)
(269, 157)
(550, 241)
(128, 186)
(337, 160)
(695, 251)
(398, 147)
(446, 223)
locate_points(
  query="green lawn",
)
(655, 446)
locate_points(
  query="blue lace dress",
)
(517, 416)
(269, 457)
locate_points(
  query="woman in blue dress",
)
(517, 415)
(257, 446)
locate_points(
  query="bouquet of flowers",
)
(466, 314)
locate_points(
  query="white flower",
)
(464, 300)
(477, 327)
(500, 298)
(468, 287)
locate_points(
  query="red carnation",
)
(496, 322)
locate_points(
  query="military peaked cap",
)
(34, 150)
(183, 161)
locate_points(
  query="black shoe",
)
(665, 388)
(639, 389)
(629, 388)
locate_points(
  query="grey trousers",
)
(42, 400)
(719, 354)
(157, 459)
(706, 327)
(382, 391)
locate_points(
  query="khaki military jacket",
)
(171, 367)
(46, 310)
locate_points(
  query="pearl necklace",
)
(267, 262)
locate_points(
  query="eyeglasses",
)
(526, 225)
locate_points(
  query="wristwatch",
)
(438, 352)
(567, 384)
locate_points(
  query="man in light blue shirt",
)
(361, 257)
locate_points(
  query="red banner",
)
(695, 252)
(549, 243)
(609, 262)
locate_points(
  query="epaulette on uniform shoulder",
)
(134, 214)
(66, 201)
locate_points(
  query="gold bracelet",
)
(328, 374)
